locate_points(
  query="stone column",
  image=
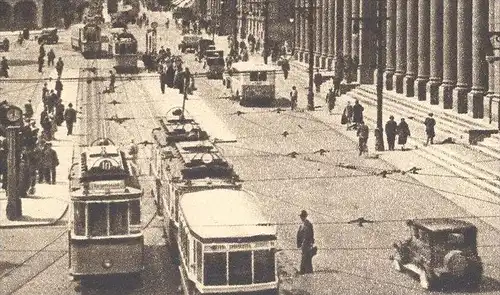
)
(423, 48)
(367, 42)
(355, 37)
(339, 31)
(390, 39)
(332, 28)
(464, 55)
(411, 47)
(298, 40)
(449, 53)
(347, 38)
(325, 31)
(400, 46)
(479, 65)
(317, 31)
(436, 50)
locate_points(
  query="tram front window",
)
(240, 268)
(79, 218)
(264, 266)
(135, 216)
(215, 269)
(118, 218)
(98, 219)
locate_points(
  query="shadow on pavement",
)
(22, 62)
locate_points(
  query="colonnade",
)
(435, 50)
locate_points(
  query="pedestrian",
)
(336, 84)
(58, 87)
(28, 109)
(362, 133)
(347, 116)
(391, 129)
(40, 63)
(41, 51)
(187, 80)
(285, 67)
(52, 101)
(294, 97)
(357, 113)
(59, 66)
(318, 80)
(167, 23)
(70, 118)
(51, 56)
(59, 117)
(330, 100)
(429, 128)
(112, 80)
(163, 80)
(53, 126)
(4, 68)
(49, 163)
(170, 75)
(403, 133)
(305, 241)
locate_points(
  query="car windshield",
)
(456, 239)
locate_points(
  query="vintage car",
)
(189, 43)
(203, 45)
(440, 250)
(214, 60)
(48, 36)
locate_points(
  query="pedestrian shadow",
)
(281, 102)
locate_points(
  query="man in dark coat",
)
(49, 163)
(305, 241)
(41, 51)
(170, 74)
(52, 101)
(59, 117)
(429, 129)
(285, 66)
(112, 80)
(59, 66)
(40, 63)
(390, 131)
(51, 56)
(4, 68)
(70, 118)
(403, 133)
(318, 80)
(363, 133)
(357, 112)
(163, 81)
(330, 100)
(58, 87)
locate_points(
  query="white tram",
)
(105, 233)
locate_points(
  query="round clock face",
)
(14, 114)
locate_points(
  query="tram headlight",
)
(107, 263)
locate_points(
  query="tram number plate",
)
(105, 185)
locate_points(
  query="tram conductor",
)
(305, 241)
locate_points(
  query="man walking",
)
(330, 100)
(336, 85)
(293, 97)
(285, 67)
(51, 56)
(390, 131)
(357, 113)
(40, 63)
(112, 80)
(70, 118)
(4, 68)
(59, 66)
(49, 163)
(362, 133)
(429, 129)
(58, 87)
(305, 241)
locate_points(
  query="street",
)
(291, 161)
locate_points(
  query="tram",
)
(223, 242)
(86, 38)
(105, 232)
(123, 47)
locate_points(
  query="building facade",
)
(446, 52)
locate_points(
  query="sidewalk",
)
(49, 204)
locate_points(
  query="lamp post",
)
(292, 20)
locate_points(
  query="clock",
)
(14, 114)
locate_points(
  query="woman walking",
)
(403, 133)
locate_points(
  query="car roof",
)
(441, 224)
(224, 213)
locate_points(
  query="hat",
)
(431, 114)
(303, 213)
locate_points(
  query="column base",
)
(389, 80)
(433, 91)
(421, 88)
(446, 95)
(365, 75)
(409, 86)
(398, 82)
(460, 99)
(475, 104)
(492, 109)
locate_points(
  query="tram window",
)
(215, 269)
(79, 219)
(118, 218)
(254, 76)
(199, 260)
(135, 212)
(98, 219)
(240, 268)
(262, 76)
(263, 266)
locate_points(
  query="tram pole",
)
(14, 209)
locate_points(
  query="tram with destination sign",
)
(223, 242)
(123, 47)
(105, 232)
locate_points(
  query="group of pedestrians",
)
(51, 56)
(174, 75)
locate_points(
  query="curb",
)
(36, 224)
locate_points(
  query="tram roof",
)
(224, 213)
(252, 67)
